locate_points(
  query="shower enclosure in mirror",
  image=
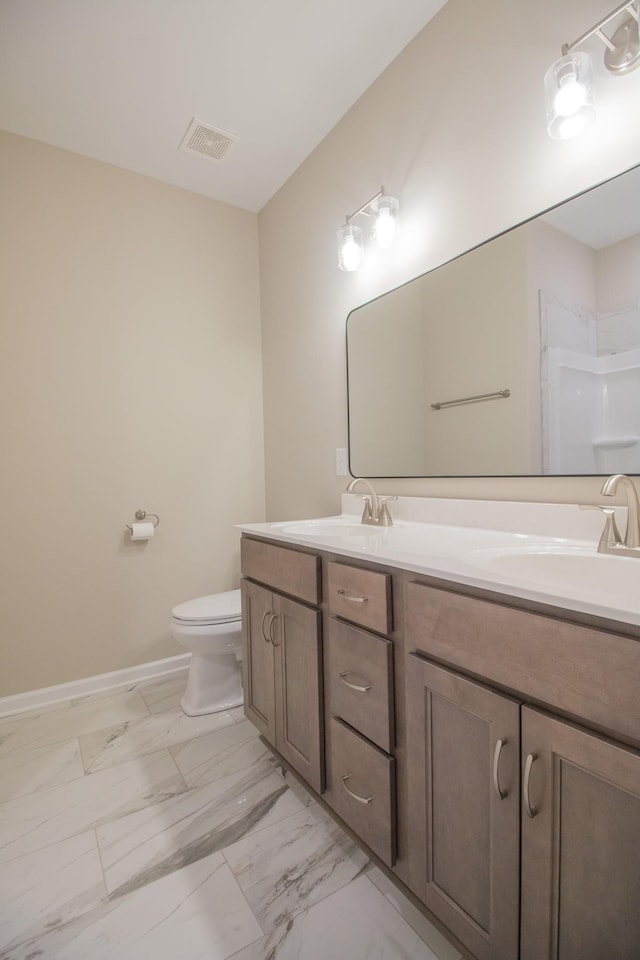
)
(520, 357)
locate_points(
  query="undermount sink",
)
(561, 567)
(323, 528)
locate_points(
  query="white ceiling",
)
(120, 80)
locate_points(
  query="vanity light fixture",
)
(568, 83)
(385, 213)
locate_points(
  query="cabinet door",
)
(298, 676)
(463, 767)
(258, 623)
(580, 844)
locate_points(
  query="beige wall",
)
(387, 400)
(130, 377)
(454, 128)
(618, 275)
(130, 364)
(434, 340)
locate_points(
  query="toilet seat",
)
(214, 608)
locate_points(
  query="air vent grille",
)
(203, 140)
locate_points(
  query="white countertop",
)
(482, 544)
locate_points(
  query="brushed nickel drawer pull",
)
(273, 620)
(267, 613)
(348, 596)
(355, 796)
(496, 765)
(531, 811)
(353, 686)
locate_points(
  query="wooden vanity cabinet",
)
(282, 649)
(577, 811)
(464, 812)
(359, 705)
(580, 897)
(487, 752)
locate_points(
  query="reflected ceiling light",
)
(385, 213)
(568, 83)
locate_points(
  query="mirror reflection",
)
(520, 357)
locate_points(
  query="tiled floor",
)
(129, 831)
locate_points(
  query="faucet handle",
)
(384, 517)
(610, 536)
(366, 511)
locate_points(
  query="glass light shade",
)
(386, 222)
(350, 247)
(569, 97)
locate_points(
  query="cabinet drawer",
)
(362, 596)
(360, 681)
(290, 571)
(585, 672)
(362, 789)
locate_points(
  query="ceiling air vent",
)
(203, 140)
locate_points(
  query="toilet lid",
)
(216, 608)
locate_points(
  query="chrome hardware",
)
(496, 765)
(376, 511)
(610, 541)
(273, 620)
(496, 395)
(531, 810)
(142, 515)
(355, 796)
(267, 613)
(352, 599)
(353, 686)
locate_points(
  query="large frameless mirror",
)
(518, 358)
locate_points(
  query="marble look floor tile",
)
(197, 913)
(164, 693)
(220, 753)
(288, 867)
(144, 846)
(135, 738)
(51, 886)
(42, 728)
(355, 922)
(32, 822)
(104, 694)
(27, 771)
(416, 920)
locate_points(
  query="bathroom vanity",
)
(479, 734)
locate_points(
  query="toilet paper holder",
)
(143, 515)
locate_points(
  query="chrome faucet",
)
(611, 542)
(375, 510)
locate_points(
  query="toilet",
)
(211, 628)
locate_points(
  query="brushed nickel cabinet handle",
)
(353, 686)
(502, 794)
(351, 598)
(273, 620)
(531, 810)
(267, 613)
(355, 796)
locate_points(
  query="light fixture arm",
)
(365, 206)
(596, 30)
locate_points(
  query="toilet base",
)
(214, 684)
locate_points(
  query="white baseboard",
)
(47, 696)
